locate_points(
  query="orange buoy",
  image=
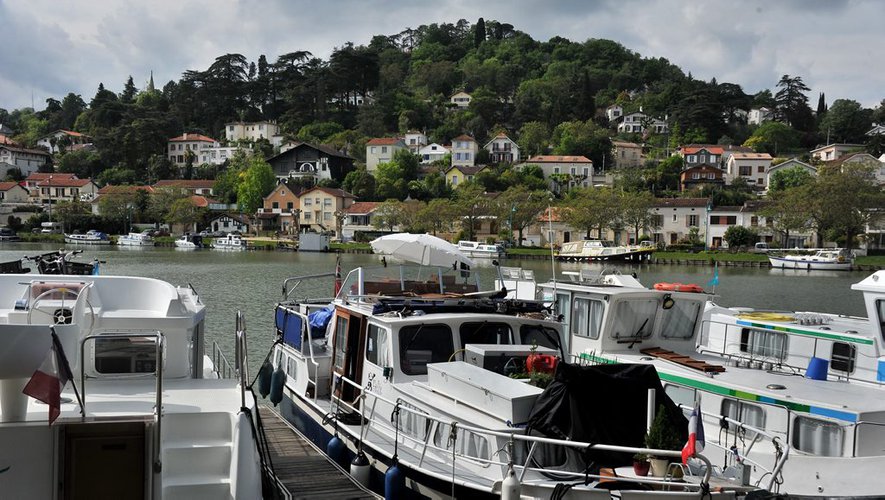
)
(679, 287)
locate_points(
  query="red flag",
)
(337, 274)
(50, 378)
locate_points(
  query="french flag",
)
(50, 378)
(695, 442)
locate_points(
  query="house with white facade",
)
(250, 131)
(752, 167)
(180, 147)
(66, 140)
(460, 100)
(674, 219)
(564, 172)
(27, 161)
(614, 113)
(502, 149)
(878, 129)
(464, 150)
(13, 192)
(359, 218)
(758, 115)
(415, 140)
(324, 209)
(876, 165)
(700, 154)
(221, 154)
(832, 152)
(791, 163)
(382, 150)
(721, 218)
(433, 152)
(638, 123)
(626, 154)
(56, 189)
(229, 223)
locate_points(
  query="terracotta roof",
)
(464, 137)
(556, 212)
(6, 140)
(6, 186)
(383, 141)
(201, 201)
(716, 150)
(42, 176)
(185, 183)
(680, 202)
(124, 189)
(467, 170)
(72, 133)
(558, 159)
(192, 137)
(55, 182)
(751, 156)
(340, 193)
(363, 207)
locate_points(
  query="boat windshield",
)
(408, 280)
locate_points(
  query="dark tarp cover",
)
(603, 404)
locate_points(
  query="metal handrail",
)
(298, 280)
(518, 437)
(160, 341)
(219, 359)
(242, 359)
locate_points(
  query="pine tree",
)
(129, 91)
(479, 35)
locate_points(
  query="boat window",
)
(468, 443)
(746, 413)
(679, 321)
(819, 437)
(539, 335)
(634, 319)
(377, 346)
(291, 367)
(587, 317)
(764, 343)
(340, 341)
(880, 308)
(843, 356)
(422, 344)
(125, 355)
(680, 395)
(485, 333)
(562, 307)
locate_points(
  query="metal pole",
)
(650, 410)
(50, 198)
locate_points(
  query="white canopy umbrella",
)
(423, 249)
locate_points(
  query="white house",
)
(832, 152)
(638, 123)
(229, 223)
(614, 113)
(674, 219)
(27, 161)
(13, 192)
(758, 115)
(792, 162)
(251, 131)
(415, 141)
(752, 167)
(461, 100)
(878, 129)
(578, 169)
(433, 152)
(359, 218)
(464, 149)
(502, 149)
(381, 150)
(219, 155)
(178, 147)
(62, 139)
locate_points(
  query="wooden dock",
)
(301, 468)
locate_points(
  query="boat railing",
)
(220, 362)
(297, 280)
(160, 343)
(512, 437)
(241, 358)
(306, 339)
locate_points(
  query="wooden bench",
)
(683, 360)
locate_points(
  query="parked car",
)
(761, 247)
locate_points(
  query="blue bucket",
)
(817, 369)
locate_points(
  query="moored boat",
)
(189, 241)
(599, 250)
(142, 239)
(481, 250)
(91, 237)
(230, 242)
(835, 259)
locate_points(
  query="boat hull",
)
(810, 265)
(636, 256)
(85, 241)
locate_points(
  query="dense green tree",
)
(472, 203)
(392, 178)
(438, 215)
(846, 121)
(519, 207)
(786, 211)
(636, 211)
(772, 137)
(360, 183)
(534, 137)
(739, 236)
(256, 182)
(592, 209)
(845, 200)
(787, 178)
(791, 103)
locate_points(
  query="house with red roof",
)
(324, 209)
(281, 208)
(27, 161)
(464, 150)
(700, 154)
(179, 148)
(63, 140)
(13, 192)
(563, 172)
(381, 150)
(57, 188)
(203, 187)
(502, 149)
(122, 193)
(674, 219)
(359, 219)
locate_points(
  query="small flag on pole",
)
(715, 281)
(695, 442)
(337, 274)
(50, 379)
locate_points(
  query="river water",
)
(251, 281)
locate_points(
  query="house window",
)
(327, 216)
(454, 180)
(760, 169)
(675, 218)
(586, 171)
(327, 202)
(467, 156)
(713, 158)
(657, 220)
(289, 205)
(692, 221)
(383, 149)
(696, 175)
(308, 202)
(572, 171)
(745, 170)
(692, 159)
(843, 356)
(373, 150)
(816, 436)
(764, 343)
(275, 205)
(306, 215)
(711, 176)
(555, 170)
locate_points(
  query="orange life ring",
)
(679, 287)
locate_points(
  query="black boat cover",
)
(604, 404)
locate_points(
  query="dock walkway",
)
(301, 468)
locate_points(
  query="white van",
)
(51, 228)
(761, 247)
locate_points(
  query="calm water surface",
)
(252, 282)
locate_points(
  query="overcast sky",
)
(53, 47)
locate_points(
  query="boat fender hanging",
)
(510, 487)
(264, 376)
(336, 449)
(394, 483)
(276, 385)
(359, 469)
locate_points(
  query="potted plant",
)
(641, 464)
(662, 436)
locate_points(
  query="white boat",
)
(596, 250)
(481, 250)
(142, 239)
(412, 377)
(189, 241)
(810, 383)
(834, 259)
(230, 242)
(144, 415)
(92, 237)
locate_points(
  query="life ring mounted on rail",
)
(679, 287)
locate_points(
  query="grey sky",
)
(53, 47)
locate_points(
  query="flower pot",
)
(659, 466)
(640, 467)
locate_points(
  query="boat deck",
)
(301, 468)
